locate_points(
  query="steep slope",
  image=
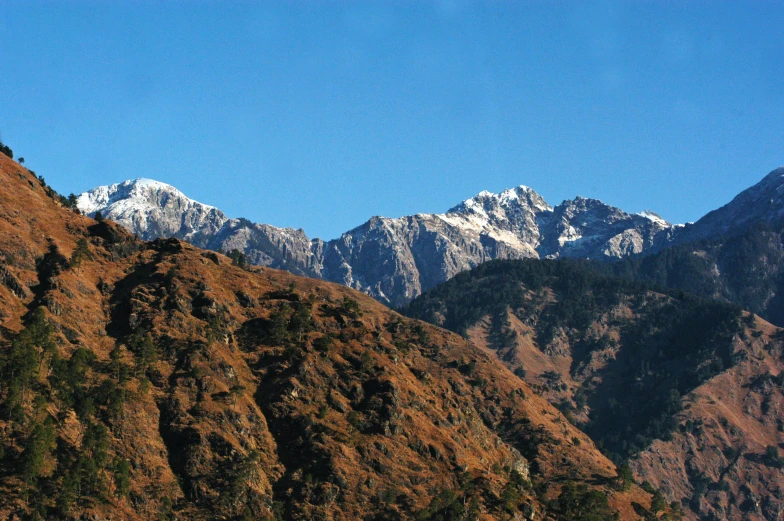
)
(724, 457)
(761, 203)
(157, 381)
(731, 254)
(657, 377)
(394, 260)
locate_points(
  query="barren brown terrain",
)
(722, 458)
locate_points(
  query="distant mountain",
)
(151, 210)
(742, 266)
(733, 254)
(762, 203)
(394, 259)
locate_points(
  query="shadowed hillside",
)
(639, 371)
(741, 267)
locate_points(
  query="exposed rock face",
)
(394, 259)
(265, 245)
(152, 210)
(588, 228)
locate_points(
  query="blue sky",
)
(318, 115)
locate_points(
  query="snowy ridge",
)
(151, 209)
(510, 196)
(393, 259)
(653, 217)
(133, 191)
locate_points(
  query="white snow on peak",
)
(144, 182)
(518, 195)
(654, 217)
(479, 224)
(130, 194)
(508, 195)
(145, 205)
(152, 184)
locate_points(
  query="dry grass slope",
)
(179, 386)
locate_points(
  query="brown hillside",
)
(179, 386)
(717, 458)
(715, 463)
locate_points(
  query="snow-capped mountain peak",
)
(141, 192)
(485, 202)
(151, 209)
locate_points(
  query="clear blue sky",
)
(318, 115)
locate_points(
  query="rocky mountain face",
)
(152, 210)
(394, 259)
(687, 390)
(762, 203)
(157, 381)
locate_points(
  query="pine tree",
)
(625, 478)
(81, 252)
(37, 448)
(238, 258)
(122, 477)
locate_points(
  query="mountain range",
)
(157, 380)
(392, 259)
(396, 259)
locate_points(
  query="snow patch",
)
(654, 217)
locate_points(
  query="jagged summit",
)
(139, 190)
(522, 196)
(395, 259)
